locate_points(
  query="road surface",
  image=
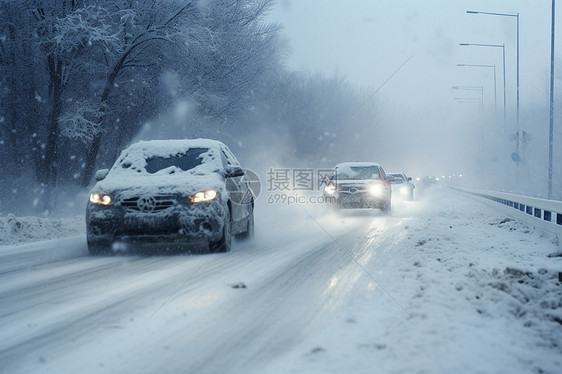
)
(433, 287)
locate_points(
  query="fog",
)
(326, 82)
(428, 127)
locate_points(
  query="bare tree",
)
(218, 51)
(66, 32)
(133, 53)
(78, 78)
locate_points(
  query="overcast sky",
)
(367, 40)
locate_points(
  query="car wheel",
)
(98, 247)
(386, 207)
(411, 195)
(224, 243)
(249, 233)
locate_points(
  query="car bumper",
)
(352, 201)
(402, 191)
(184, 224)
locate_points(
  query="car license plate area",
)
(149, 224)
(352, 199)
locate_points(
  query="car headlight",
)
(203, 196)
(404, 191)
(96, 198)
(376, 189)
(330, 189)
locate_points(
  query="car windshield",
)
(357, 172)
(396, 176)
(184, 161)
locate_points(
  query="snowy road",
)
(445, 284)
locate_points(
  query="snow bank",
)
(15, 230)
(453, 287)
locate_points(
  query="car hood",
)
(142, 185)
(357, 182)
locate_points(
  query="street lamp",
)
(495, 88)
(551, 122)
(516, 15)
(473, 88)
(467, 100)
(473, 100)
(502, 46)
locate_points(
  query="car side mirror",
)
(409, 179)
(101, 174)
(234, 171)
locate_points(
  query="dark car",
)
(402, 185)
(360, 185)
(170, 193)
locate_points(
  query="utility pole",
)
(551, 126)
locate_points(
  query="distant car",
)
(429, 181)
(402, 185)
(171, 193)
(360, 185)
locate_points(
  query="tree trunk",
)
(55, 78)
(91, 157)
(145, 37)
(92, 154)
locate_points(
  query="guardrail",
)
(543, 209)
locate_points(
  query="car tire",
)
(225, 242)
(386, 207)
(249, 233)
(411, 196)
(99, 248)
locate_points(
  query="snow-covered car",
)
(359, 185)
(170, 193)
(402, 185)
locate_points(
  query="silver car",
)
(359, 185)
(402, 186)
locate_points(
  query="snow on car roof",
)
(358, 170)
(137, 154)
(171, 146)
(357, 163)
(132, 162)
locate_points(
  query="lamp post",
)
(551, 122)
(516, 15)
(495, 88)
(502, 46)
(469, 100)
(473, 88)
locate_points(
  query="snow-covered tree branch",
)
(81, 121)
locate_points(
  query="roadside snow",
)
(446, 284)
(14, 230)
(456, 287)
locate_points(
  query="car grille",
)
(148, 204)
(351, 189)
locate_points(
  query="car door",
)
(238, 188)
(386, 182)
